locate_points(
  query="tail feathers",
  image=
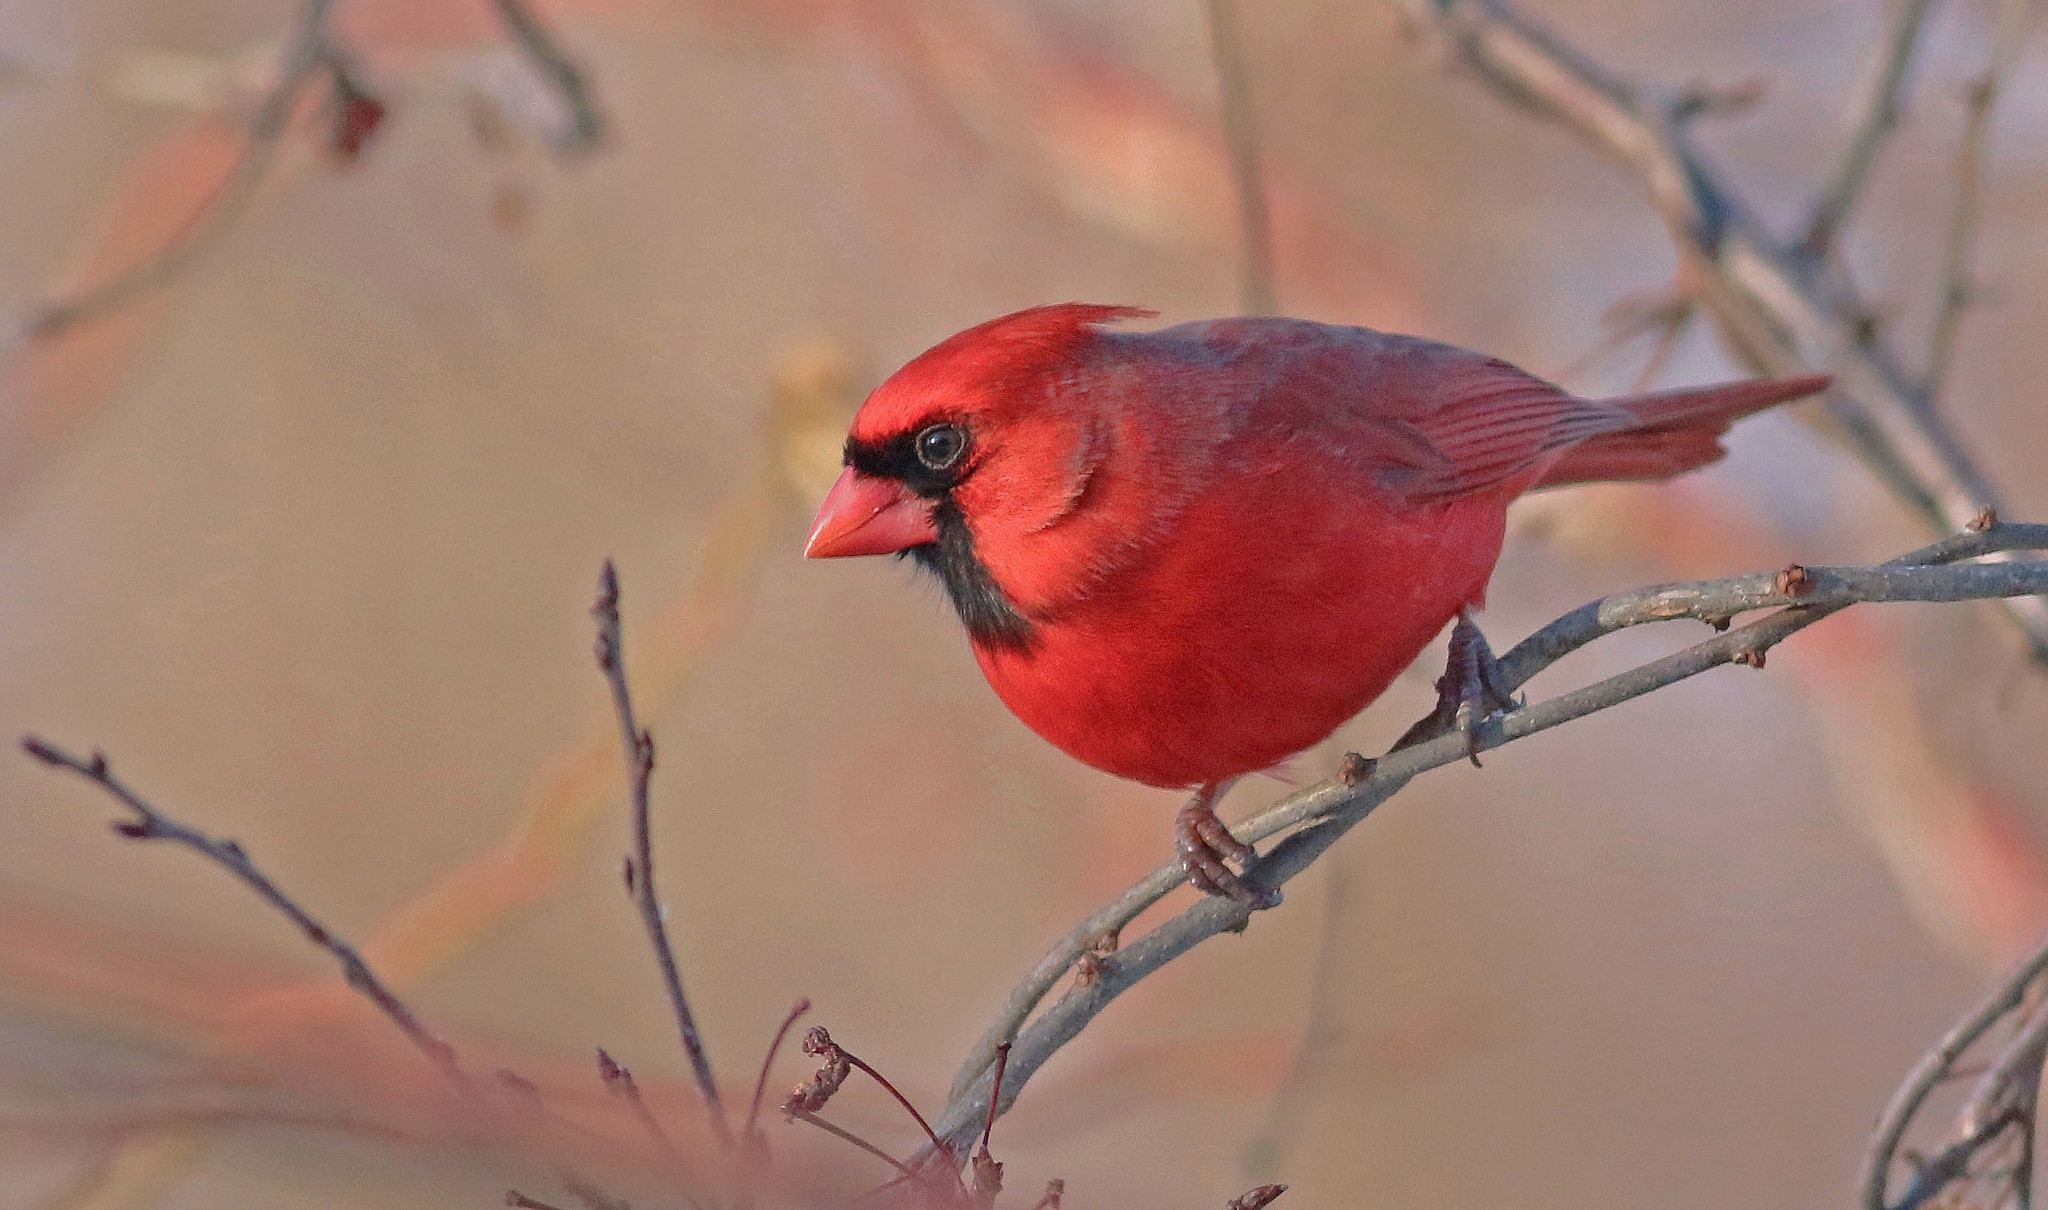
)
(1674, 431)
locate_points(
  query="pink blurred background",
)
(306, 543)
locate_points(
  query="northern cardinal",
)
(1186, 555)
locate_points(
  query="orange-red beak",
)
(866, 516)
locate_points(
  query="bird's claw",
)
(1472, 692)
(1204, 844)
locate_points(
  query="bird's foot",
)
(1471, 691)
(1204, 844)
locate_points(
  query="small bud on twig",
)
(1794, 581)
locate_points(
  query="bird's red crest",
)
(982, 360)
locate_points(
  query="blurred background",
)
(306, 535)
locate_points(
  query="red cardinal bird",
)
(1186, 555)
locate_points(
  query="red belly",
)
(1219, 658)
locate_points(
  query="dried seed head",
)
(988, 1179)
(811, 1097)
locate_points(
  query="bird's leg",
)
(1204, 844)
(1471, 687)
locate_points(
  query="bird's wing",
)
(1455, 423)
(1420, 420)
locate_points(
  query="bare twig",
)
(1319, 1036)
(1958, 290)
(768, 1064)
(1241, 131)
(1318, 815)
(1776, 309)
(805, 1115)
(586, 126)
(151, 824)
(309, 53)
(2008, 1087)
(640, 882)
(1874, 113)
(618, 1078)
(306, 55)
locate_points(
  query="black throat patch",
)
(977, 598)
(988, 615)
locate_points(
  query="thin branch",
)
(1937, 1065)
(1958, 290)
(618, 1079)
(640, 869)
(586, 127)
(796, 1010)
(1874, 114)
(1776, 310)
(1241, 131)
(1318, 815)
(307, 53)
(805, 1115)
(151, 824)
(1320, 1036)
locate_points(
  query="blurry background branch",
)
(311, 54)
(307, 53)
(1781, 306)
(1256, 291)
(1798, 597)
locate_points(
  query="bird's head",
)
(968, 451)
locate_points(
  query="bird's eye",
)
(940, 446)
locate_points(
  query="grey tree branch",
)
(1874, 114)
(1317, 816)
(640, 866)
(1958, 291)
(1241, 130)
(151, 824)
(1777, 309)
(306, 54)
(586, 127)
(2005, 1096)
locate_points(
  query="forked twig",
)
(1778, 309)
(640, 868)
(306, 54)
(1874, 114)
(1958, 289)
(2008, 1088)
(152, 824)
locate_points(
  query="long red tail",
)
(1675, 431)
